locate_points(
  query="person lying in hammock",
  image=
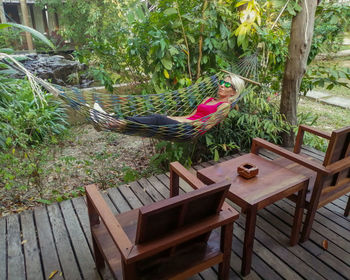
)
(229, 90)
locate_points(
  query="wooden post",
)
(45, 21)
(2, 12)
(26, 22)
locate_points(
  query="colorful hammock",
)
(174, 103)
(116, 107)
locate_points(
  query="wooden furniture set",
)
(178, 237)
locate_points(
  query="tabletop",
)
(272, 183)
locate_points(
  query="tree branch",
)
(205, 4)
(184, 34)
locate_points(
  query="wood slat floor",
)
(54, 242)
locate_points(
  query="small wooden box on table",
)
(273, 183)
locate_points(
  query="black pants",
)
(154, 119)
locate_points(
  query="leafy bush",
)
(22, 121)
(25, 125)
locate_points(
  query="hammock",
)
(102, 109)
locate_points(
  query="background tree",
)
(298, 52)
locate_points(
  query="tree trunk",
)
(26, 22)
(298, 52)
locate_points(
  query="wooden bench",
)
(170, 239)
(329, 179)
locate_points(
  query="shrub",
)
(23, 122)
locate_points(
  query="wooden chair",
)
(169, 239)
(329, 179)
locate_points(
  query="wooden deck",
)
(55, 240)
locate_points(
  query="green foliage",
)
(258, 116)
(325, 77)
(330, 24)
(32, 31)
(22, 121)
(167, 152)
(310, 139)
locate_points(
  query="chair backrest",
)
(338, 149)
(165, 216)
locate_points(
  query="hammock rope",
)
(104, 109)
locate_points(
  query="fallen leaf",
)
(24, 242)
(53, 274)
(325, 244)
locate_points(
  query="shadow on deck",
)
(54, 241)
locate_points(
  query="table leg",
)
(248, 239)
(298, 215)
(174, 183)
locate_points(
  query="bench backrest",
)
(163, 217)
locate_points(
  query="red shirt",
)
(204, 109)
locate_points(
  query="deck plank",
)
(3, 249)
(332, 256)
(15, 266)
(118, 200)
(46, 243)
(280, 232)
(82, 215)
(326, 232)
(79, 242)
(34, 269)
(65, 253)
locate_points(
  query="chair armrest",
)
(339, 165)
(300, 135)
(180, 235)
(261, 143)
(98, 206)
(176, 171)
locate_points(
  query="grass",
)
(328, 117)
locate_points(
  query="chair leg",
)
(310, 216)
(226, 244)
(99, 260)
(347, 209)
(311, 212)
(174, 183)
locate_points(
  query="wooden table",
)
(271, 184)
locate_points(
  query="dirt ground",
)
(84, 157)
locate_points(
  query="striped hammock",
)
(102, 109)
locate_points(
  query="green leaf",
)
(170, 11)
(139, 13)
(216, 155)
(45, 201)
(173, 50)
(31, 31)
(131, 18)
(7, 50)
(166, 74)
(224, 31)
(167, 63)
